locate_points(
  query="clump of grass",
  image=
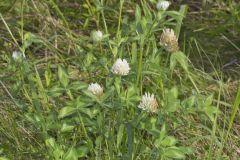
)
(60, 110)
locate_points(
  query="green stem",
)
(106, 30)
(22, 22)
(119, 18)
(84, 129)
(139, 75)
(194, 84)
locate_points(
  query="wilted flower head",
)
(163, 5)
(169, 41)
(95, 89)
(120, 67)
(16, 55)
(148, 103)
(96, 36)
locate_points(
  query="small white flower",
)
(96, 36)
(148, 103)
(163, 5)
(120, 67)
(169, 41)
(95, 89)
(16, 55)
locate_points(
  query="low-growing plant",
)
(125, 90)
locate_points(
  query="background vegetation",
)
(46, 111)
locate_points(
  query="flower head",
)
(120, 67)
(169, 41)
(148, 103)
(95, 89)
(96, 36)
(16, 55)
(163, 5)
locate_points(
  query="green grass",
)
(47, 112)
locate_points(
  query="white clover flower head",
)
(148, 103)
(97, 36)
(16, 55)
(120, 67)
(169, 41)
(163, 5)
(95, 89)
